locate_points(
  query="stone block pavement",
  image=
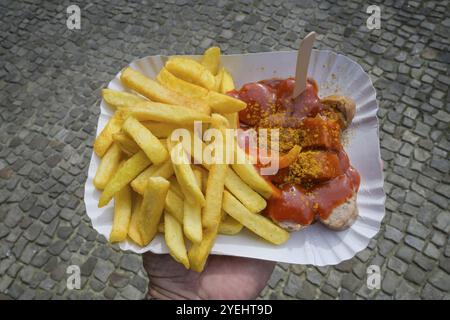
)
(50, 81)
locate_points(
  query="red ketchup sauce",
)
(271, 102)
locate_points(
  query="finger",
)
(240, 278)
(162, 265)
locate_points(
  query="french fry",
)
(180, 86)
(126, 143)
(221, 103)
(204, 173)
(247, 172)
(154, 91)
(227, 85)
(192, 216)
(105, 139)
(218, 78)
(230, 226)
(122, 215)
(150, 144)
(164, 170)
(173, 234)
(108, 166)
(133, 231)
(127, 172)
(216, 181)
(116, 99)
(175, 186)
(165, 113)
(249, 198)
(199, 252)
(185, 175)
(160, 129)
(211, 59)
(174, 205)
(152, 208)
(191, 71)
(258, 224)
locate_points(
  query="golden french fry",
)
(105, 139)
(230, 226)
(259, 224)
(216, 180)
(191, 71)
(164, 170)
(218, 78)
(154, 91)
(133, 231)
(153, 148)
(127, 172)
(173, 234)
(221, 103)
(248, 173)
(227, 85)
(175, 186)
(192, 216)
(214, 191)
(108, 166)
(160, 129)
(249, 198)
(199, 252)
(204, 173)
(211, 59)
(126, 143)
(116, 99)
(174, 205)
(185, 175)
(165, 113)
(122, 215)
(152, 208)
(180, 86)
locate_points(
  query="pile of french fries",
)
(189, 203)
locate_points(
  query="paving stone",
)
(414, 242)
(139, 283)
(118, 280)
(276, 277)
(431, 251)
(389, 282)
(87, 267)
(57, 247)
(440, 280)
(431, 293)
(417, 229)
(406, 292)
(131, 293)
(397, 265)
(103, 270)
(425, 263)
(415, 274)
(131, 263)
(314, 277)
(292, 285)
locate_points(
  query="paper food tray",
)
(316, 245)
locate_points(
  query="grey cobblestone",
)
(48, 122)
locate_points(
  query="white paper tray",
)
(316, 245)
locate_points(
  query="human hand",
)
(224, 277)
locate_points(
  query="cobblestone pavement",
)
(50, 79)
